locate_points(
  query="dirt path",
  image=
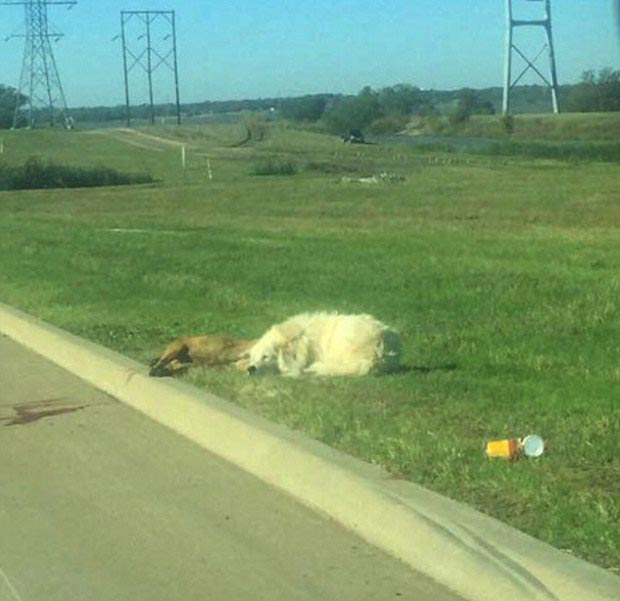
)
(139, 139)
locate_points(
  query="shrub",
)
(35, 174)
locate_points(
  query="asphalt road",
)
(97, 502)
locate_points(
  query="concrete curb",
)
(472, 554)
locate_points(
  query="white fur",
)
(327, 344)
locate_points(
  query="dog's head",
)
(263, 357)
(274, 354)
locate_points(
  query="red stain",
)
(27, 413)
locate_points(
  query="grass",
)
(573, 151)
(500, 273)
(273, 167)
(588, 127)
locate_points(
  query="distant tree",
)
(354, 112)
(9, 98)
(305, 108)
(596, 92)
(469, 103)
(402, 99)
(472, 103)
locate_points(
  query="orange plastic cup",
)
(504, 449)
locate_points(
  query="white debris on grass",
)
(380, 178)
(123, 230)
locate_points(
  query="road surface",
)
(97, 502)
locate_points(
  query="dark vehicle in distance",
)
(355, 136)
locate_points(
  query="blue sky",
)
(250, 49)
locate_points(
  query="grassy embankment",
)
(562, 128)
(500, 273)
(568, 136)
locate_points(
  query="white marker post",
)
(209, 170)
(183, 157)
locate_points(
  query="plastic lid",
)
(533, 445)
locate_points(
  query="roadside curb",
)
(476, 556)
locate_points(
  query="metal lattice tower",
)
(545, 23)
(152, 53)
(39, 79)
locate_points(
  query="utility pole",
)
(551, 80)
(39, 79)
(156, 53)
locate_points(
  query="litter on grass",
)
(512, 448)
(379, 178)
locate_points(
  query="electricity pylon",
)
(150, 54)
(39, 80)
(552, 80)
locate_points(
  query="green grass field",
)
(501, 273)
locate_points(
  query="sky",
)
(276, 48)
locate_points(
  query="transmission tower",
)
(545, 23)
(39, 80)
(157, 48)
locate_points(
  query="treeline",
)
(388, 106)
(143, 111)
(596, 92)
(391, 103)
(390, 109)
(378, 111)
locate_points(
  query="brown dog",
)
(214, 351)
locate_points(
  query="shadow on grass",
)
(422, 369)
(166, 371)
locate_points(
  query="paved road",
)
(97, 502)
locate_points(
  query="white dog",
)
(327, 344)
